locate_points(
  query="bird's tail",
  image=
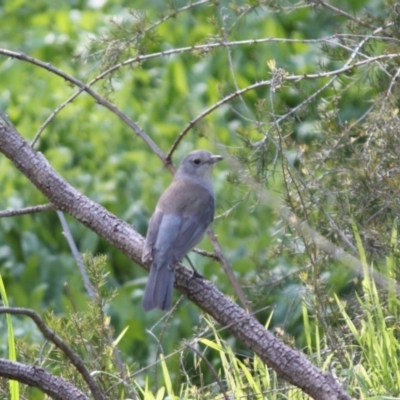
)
(158, 293)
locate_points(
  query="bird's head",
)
(198, 164)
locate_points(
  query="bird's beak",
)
(215, 159)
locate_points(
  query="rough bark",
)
(30, 375)
(289, 364)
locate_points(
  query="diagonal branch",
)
(289, 364)
(101, 100)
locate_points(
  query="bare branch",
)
(339, 11)
(78, 258)
(27, 210)
(206, 47)
(101, 100)
(229, 271)
(333, 39)
(209, 110)
(295, 78)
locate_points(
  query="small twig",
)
(389, 90)
(209, 110)
(175, 13)
(211, 369)
(140, 58)
(225, 34)
(228, 270)
(209, 46)
(341, 12)
(295, 78)
(206, 253)
(343, 236)
(101, 100)
(27, 210)
(309, 99)
(77, 256)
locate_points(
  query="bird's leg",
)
(195, 274)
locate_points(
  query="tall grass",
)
(14, 386)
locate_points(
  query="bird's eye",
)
(197, 161)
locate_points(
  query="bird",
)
(180, 220)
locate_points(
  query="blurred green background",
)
(101, 156)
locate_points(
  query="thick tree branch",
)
(289, 364)
(30, 375)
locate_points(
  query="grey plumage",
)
(182, 216)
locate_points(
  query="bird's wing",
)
(161, 236)
(168, 232)
(183, 215)
(151, 237)
(193, 228)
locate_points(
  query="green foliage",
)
(369, 352)
(327, 146)
(374, 350)
(89, 333)
(12, 355)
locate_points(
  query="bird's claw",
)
(196, 275)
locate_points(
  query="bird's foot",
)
(196, 275)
